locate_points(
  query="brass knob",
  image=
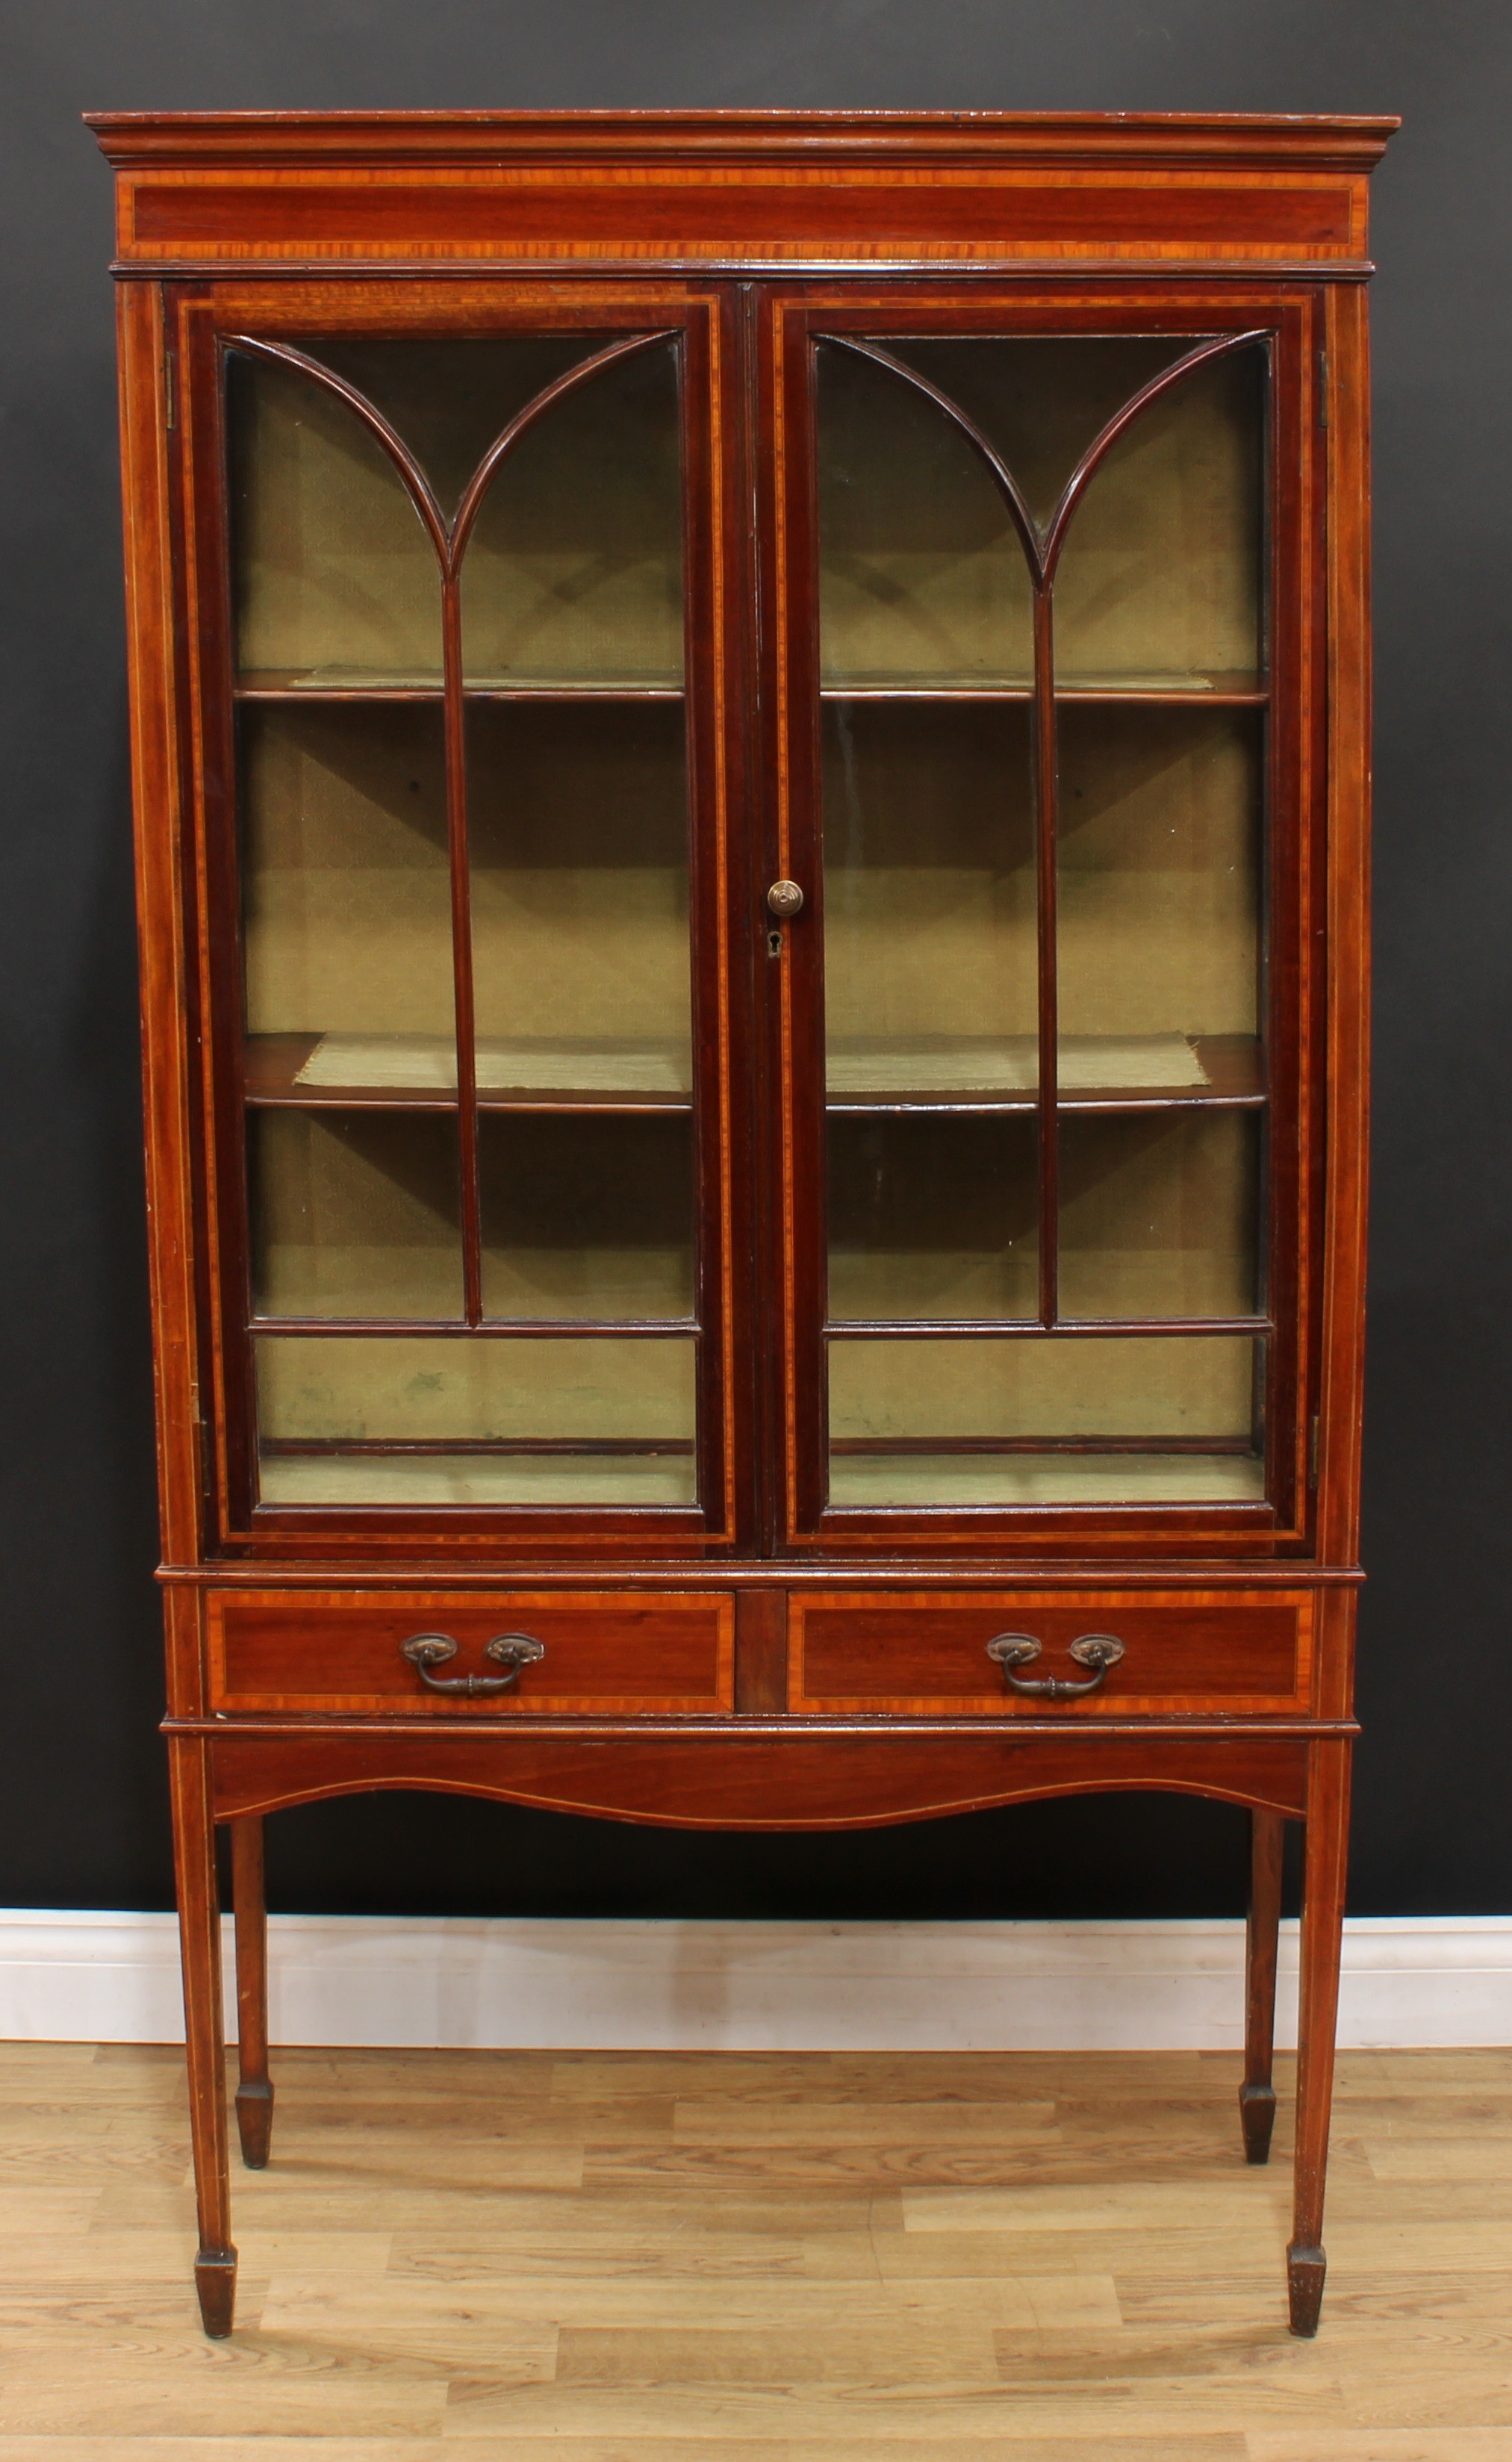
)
(785, 897)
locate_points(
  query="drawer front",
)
(923, 1654)
(613, 1653)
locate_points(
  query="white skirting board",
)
(717, 1986)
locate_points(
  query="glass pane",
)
(1044, 1421)
(931, 1217)
(1158, 906)
(1041, 401)
(355, 1213)
(345, 884)
(347, 923)
(930, 917)
(578, 841)
(930, 955)
(573, 573)
(459, 1419)
(1159, 580)
(448, 400)
(587, 1217)
(922, 574)
(1160, 1214)
(335, 579)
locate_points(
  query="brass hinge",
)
(169, 391)
(1312, 1451)
(1323, 388)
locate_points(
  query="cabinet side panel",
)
(1348, 925)
(166, 1018)
(1337, 1611)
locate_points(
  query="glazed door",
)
(462, 790)
(1041, 593)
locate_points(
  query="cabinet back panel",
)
(1160, 573)
(1158, 869)
(1160, 1216)
(931, 1217)
(355, 1213)
(334, 572)
(578, 848)
(1115, 1385)
(573, 572)
(589, 1216)
(346, 887)
(929, 871)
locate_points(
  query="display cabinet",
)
(750, 749)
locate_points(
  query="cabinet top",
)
(734, 190)
(1152, 138)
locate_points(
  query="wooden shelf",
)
(532, 1475)
(1227, 690)
(924, 1480)
(271, 1080)
(319, 685)
(1234, 1065)
(289, 685)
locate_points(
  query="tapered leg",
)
(200, 1943)
(1321, 1924)
(1257, 2097)
(254, 2092)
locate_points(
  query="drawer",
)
(923, 1653)
(610, 1653)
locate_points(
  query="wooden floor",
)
(700, 2259)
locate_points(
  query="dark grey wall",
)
(82, 1818)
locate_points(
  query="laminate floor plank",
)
(626, 2253)
(411, 2160)
(148, 2256)
(1482, 2156)
(723, 2120)
(1219, 2447)
(1382, 2445)
(1185, 2255)
(33, 2211)
(694, 2257)
(1434, 2113)
(1470, 2296)
(958, 2354)
(857, 2166)
(894, 2420)
(879, 2077)
(544, 2119)
(1244, 2200)
(329, 2302)
(1456, 2072)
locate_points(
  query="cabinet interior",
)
(575, 927)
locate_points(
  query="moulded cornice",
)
(1153, 141)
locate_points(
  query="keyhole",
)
(775, 944)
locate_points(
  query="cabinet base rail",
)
(1323, 1811)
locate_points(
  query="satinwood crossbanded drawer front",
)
(925, 1653)
(430, 1653)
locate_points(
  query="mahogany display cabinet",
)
(751, 762)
